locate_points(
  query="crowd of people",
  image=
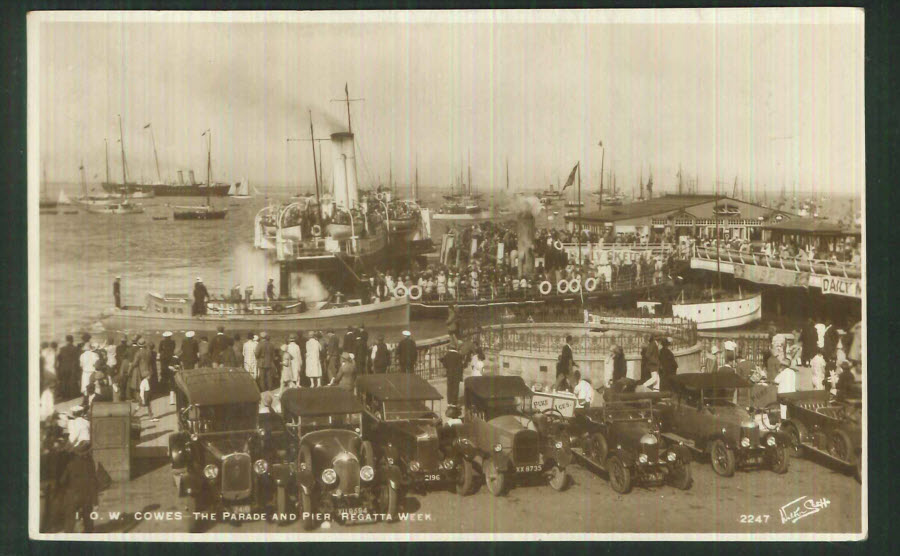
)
(843, 252)
(484, 262)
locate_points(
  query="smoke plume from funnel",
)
(527, 209)
(528, 206)
(253, 267)
(308, 287)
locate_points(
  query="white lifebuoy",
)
(574, 285)
(379, 196)
(590, 284)
(401, 291)
(562, 286)
(316, 230)
(545, 287)
(569, 268)
(558, 245)
(415, 292)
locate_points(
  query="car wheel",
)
(281, 500)
(680, 475)
(193, 505)
(722, 458)
(840, 446)
(465, 477)
(619, 475)
(391, 501)
(368, 454)
(559, 479)
(795, 448)
(599, 447)
(494, 478)
(778, 458)
(306, 510)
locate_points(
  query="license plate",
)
(654, 476)
(242, 509)
(431, 477)
(354, 511)
(528, 468)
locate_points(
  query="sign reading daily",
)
(833, 285)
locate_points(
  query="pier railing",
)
(813, 266)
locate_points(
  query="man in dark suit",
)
(200, 296)
(190, 350)
(407, 353)
(381, 360)
(117, 292)
(649, 359)
(565, 363)
(68, 369)
(218, 344)
(349, 340)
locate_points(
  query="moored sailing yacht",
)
(207, 211)
(109, 204)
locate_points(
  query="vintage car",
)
(503, 435)
(222, 460)
(704, 415)
(403, 424)
(336, 468)
(821, 423)
(622, 437)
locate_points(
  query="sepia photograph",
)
(447, 275)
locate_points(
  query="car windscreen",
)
(223, 418)
(333, 420)
(719, 397)
(497, 407)
(402, 410)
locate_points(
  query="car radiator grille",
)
(526, 447)
(236, 479)
(427, 453)
(346, 466)
(652, 451)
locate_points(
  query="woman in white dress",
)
(313, 365)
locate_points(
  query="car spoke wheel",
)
(795, 448)
(465, 478)
(619, 475)
(722, 458)
(839, 446)
(680, 475)
(778, 458)
(494, 479)
(599, 447)
(559, 479)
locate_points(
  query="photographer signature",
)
(804, 506)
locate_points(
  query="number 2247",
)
(750, 518)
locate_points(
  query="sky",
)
(770, 99)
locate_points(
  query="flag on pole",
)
(146, 126)
(571, 178)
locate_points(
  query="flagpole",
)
(579, 212)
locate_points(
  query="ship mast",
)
(155, 157)
(312, 141)
(84, 190)
(122, 144)
(106, 148)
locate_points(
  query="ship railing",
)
(794, 264)
(488, 292)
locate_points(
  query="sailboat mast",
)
(416, 191)
(312, 141)
(579, 212)
(469, 164)
(602, 162)
(122, 144)
(84, 190)
(507, 174)
(155, 157)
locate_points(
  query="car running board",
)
(579, 453)
(828, 455)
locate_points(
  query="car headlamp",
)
(366, 473)
(771, 441)
(558, 445)
(643, 458)
(261, 467)
(329, 476)
(671, 456)
(211, 471)
(498, 447)
(745, 442)
(414, 466)
(449, 463)
(195, 437)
